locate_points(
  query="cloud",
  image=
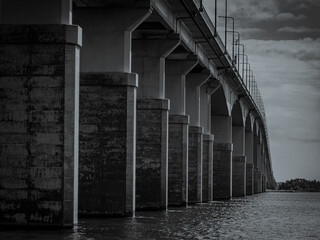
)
(251, 30)
(300, 29)
(306, 49)
(285, 16)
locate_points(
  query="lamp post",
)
(243, 55)
(239, 44)
(226, 17)
(225, 22)
(247, 72)
(250, 75)
(235, 42)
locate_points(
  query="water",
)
(272, 215)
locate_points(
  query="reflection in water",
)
(271, 215)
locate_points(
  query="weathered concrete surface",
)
(207, 168)
(178, 160)
(249, 179)
(222, 171)
(257, 181)
(107, 143)
(152, 154)
(38, 124)
(195, 164)
(239, 176)
(263, 187)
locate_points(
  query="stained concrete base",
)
(239, 176)
(207, 168)
(39, 125)
(195, 164)
(222, 171)
(178, 161)
(257, 181)
(107, 160)
(249, 179)
(152, 154)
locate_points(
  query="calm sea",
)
(272, 215)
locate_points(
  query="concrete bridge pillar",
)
(39, 84)
(222, 157)
(263, 167)
(257, 164)
(249, 165)
(206, 91)
(238, 162)
(107, 111)
(176, 71)
(193, 84)
(152, 121)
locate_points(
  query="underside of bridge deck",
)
(151, 114)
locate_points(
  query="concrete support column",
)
(152, 122)
(107, 143)
(176, 71)
(262, 167)
(249, 178)
(222, 157)
(239, 168)
(108, 92)
(257, 181)
(206, 90)
(249, 167)
(193, 84)
(207, 168)
(107, 37)
(259, 155)
(39, 85)
(238, 162)
(238, 140)
(178, 160)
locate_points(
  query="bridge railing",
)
(254, 92)
(249, 87)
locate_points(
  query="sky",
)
(282, 40)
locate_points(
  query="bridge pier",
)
(152, 122)
(206, 90)
(193, 84)
(257, 181)
(238, 155)
(249, 154)
(176, 71)
(39, 83)
(107, 111)
(222, 157)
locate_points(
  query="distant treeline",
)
(299, 184)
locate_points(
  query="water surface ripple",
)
(272, 215)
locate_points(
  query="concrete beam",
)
(206, 90)
(107, 37)
(176, 71)
(193, 84)
(149, 62)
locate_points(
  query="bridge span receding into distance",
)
(113, 106)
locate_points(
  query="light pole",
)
(235, 42)
(238, 43)
(243, 55)
(225, 22)
(226, 17)
(242, 58)
(250, 75)
(247, 72)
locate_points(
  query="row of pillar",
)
(123, 127)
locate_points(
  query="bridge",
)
(113, 106)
